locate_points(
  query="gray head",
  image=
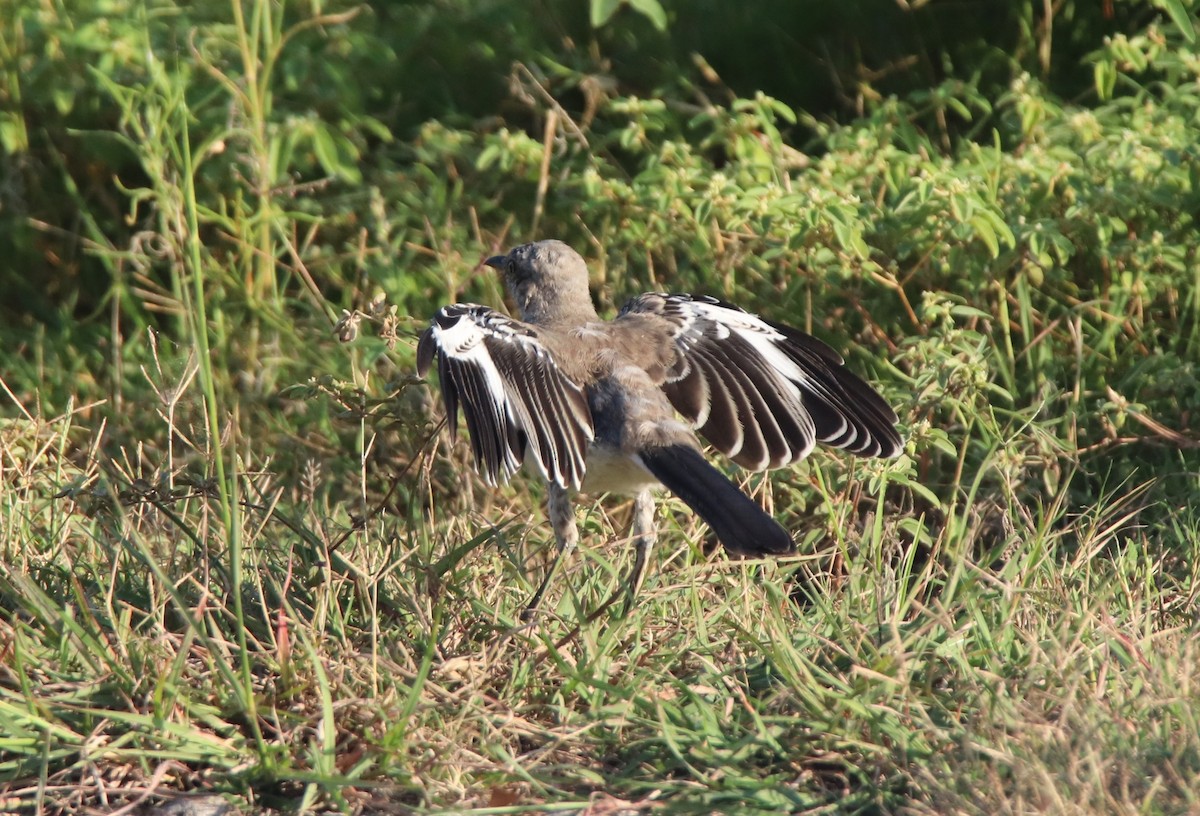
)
(548, 282)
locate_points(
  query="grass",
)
(1050, 670)
(241, 558)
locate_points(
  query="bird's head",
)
(548, 282)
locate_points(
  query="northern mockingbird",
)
(595, 405)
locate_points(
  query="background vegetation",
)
(239, 559)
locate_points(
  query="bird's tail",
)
(740, 524)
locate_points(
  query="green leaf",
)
(335, 154)
(1179, 15)
(603, 10)
(12, 135)
(1104, 74)
(962, 310)
(851, 240)
(653, 10)
(325, 149)
(941, 442)
(985, 233)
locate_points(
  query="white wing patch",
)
(512, 393)
(763, 393)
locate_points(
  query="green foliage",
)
(239, 555)
(603, 10)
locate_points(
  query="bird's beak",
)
(496, 261)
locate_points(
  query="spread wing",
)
(512, 393)
(763, 393)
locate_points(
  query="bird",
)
(620, 406)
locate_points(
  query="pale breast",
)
(610, 471)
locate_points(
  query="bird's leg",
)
(645, 535)
(566, 535)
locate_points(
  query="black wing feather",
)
(513, 395)
(762, 392)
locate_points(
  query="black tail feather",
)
(740, 524)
